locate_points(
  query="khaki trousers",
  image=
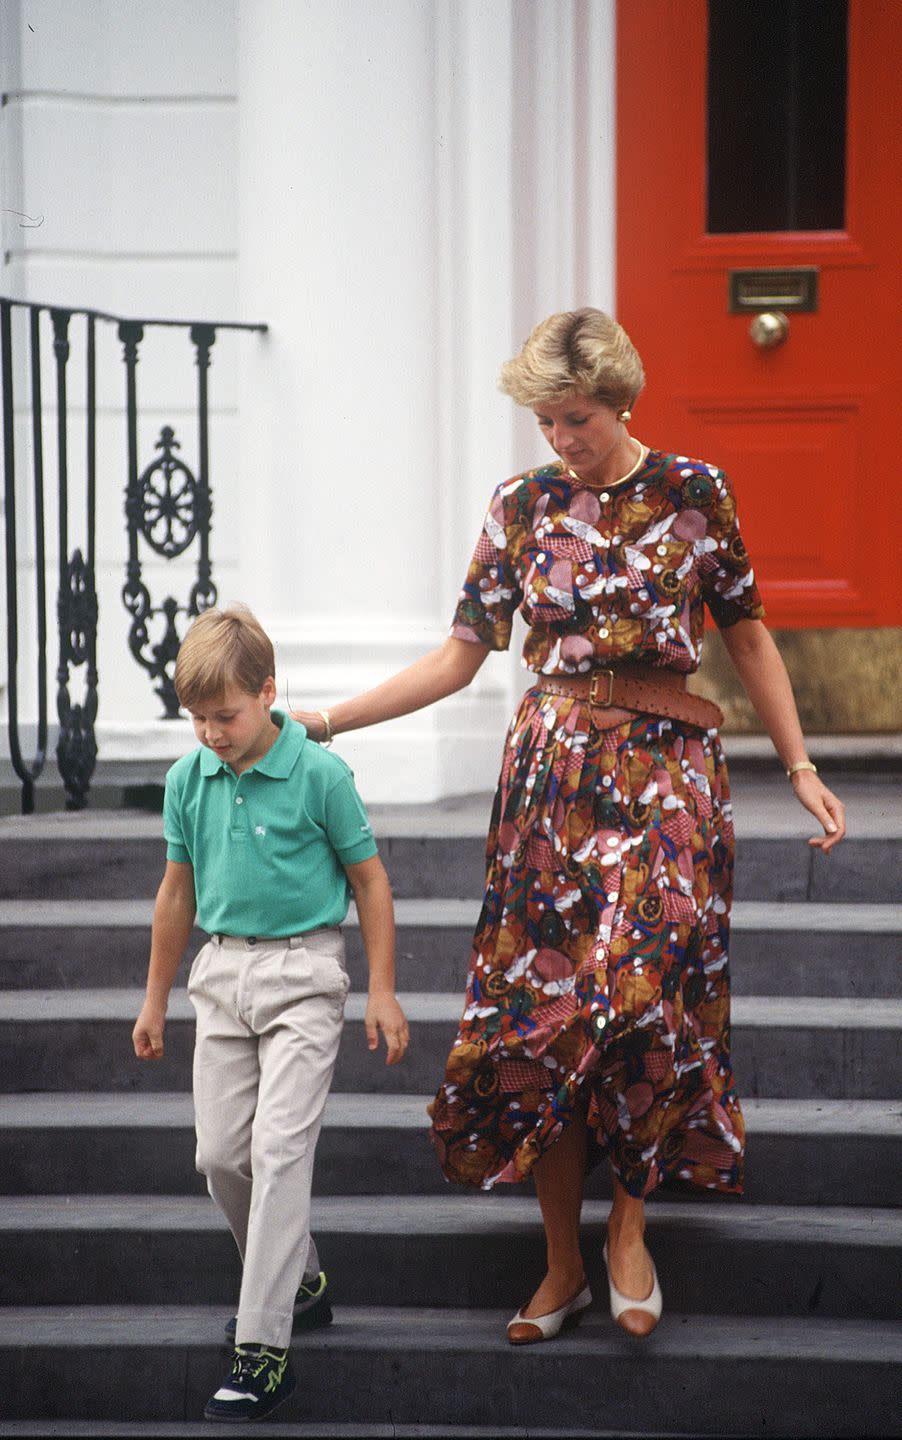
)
(269, 1019)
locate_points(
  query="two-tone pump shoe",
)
(532, 1329)
(651, 1306)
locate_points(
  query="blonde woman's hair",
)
(223, 648)
(577, 351)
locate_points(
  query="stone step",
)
(439, 850)
(870, 788)
(803, 1047)
(136, 784)
(800, 1152)
(701, 1374)
(311, 1430)
(862, 870)
(487, 1249)
(778, 947)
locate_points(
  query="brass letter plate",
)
(773, 289)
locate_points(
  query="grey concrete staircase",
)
(782, 1311)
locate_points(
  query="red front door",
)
(806, 427)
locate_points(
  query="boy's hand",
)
(147, 1036)
(384, 1013)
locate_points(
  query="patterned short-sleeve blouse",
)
(602, 576)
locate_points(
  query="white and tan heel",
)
(531, 1329)
(652, 1305)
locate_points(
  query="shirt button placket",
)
(605, 525)
(239, 814)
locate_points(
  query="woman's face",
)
(585, 433)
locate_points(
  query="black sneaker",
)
(311, 1308)
(260, 1379)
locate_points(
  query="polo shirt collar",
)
(282, 756)
(279, 760)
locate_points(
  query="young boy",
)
(266, 838)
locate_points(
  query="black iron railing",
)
(168, 508)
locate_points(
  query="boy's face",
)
(236, 725)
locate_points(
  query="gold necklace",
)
(600, 485)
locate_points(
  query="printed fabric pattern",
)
(609, 576)
(599, 973)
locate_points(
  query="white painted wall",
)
(400, 189)
(118, 172)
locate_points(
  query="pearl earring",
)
(625, 415)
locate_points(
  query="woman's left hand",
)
(824, 806)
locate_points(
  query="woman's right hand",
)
(312, 722)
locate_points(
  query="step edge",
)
(58, 1109)
(117, 1005)
(878, 1227)
(819, 1340)
(866, 917)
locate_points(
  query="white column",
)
(371, 233)
(564, 167)
(396, 231)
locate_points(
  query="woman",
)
(597, 1007)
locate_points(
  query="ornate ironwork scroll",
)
(76, 748)
(167, 507)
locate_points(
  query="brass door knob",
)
(769, 328)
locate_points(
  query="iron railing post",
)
(27, 773)
(40, 547)
(76, 747)
(203, 592)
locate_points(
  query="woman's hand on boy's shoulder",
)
(313, 723)
(384, 1013)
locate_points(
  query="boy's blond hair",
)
(223, 648)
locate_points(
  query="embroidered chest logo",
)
(259, 829)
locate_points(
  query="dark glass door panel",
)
(776, 115)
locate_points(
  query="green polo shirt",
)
(267, 846)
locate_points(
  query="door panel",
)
(806, 429)
(796, 451)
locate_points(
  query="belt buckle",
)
(593, 690)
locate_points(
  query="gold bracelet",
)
(800, 765)
(327, 721)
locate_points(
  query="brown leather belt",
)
(643, 688)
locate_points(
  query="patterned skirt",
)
(599, 977)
